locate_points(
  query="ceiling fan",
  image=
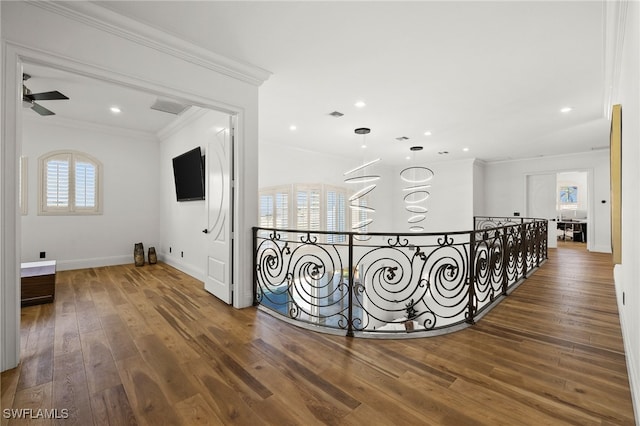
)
(28, 98)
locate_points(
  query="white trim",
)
(10, 219)
(14, 55)
(615, 16)
(94, 262)
(71, 209)
(93, 127)
(24, 185)
(108, 21)
(184, 120)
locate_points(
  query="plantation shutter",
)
(85, 184)
(336, 215)
(57, 182)
(308, 209)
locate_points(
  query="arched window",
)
(69, 184)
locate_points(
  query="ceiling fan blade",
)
(41, 110)
(46, 96)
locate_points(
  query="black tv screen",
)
(188, 173)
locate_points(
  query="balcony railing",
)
(398, 285)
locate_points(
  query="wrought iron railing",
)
(404, 284)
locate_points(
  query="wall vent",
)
(170, 107)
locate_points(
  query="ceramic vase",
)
(153, 258)
(138, 254)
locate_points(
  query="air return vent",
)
(171, 107)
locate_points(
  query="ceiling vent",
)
(336, 114)
(402, 138)
(171, 107)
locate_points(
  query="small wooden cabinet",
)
(38, 282)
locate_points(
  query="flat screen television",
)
(188, 173)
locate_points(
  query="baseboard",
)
(183, 267)
(630, 356)
(95, 262)
(601, 249)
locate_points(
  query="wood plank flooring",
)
(148, 346)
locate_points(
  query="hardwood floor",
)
(124, 346)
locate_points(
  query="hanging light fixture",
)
(416, 193)
(361, 176)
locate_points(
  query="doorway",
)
(564, 199)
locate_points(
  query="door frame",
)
(14, 56)
(590, 196)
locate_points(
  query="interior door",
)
(219, 170)
(541, 202)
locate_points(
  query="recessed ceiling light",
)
(408, 157)
(292, 127)
(566, 109)
(115, 110)
(360, 104)
(465, 149)
(427, 133)
(363, 146)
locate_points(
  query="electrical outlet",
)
(169, 249)
(43, 254)
(181, 254)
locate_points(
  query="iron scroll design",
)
(393, 284)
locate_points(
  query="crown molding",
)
(614, 19)
(185, 119)
(108, 21)
(91, 127)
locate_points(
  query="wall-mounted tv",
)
(188, 173)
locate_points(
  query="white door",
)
(541, 202)
(219, 170)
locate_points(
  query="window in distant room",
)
(569, 195)
(69, 184)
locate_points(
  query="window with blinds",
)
(70, 183)
(336, 215)
(313, 207)
(274, 209)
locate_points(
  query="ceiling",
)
(490, 77)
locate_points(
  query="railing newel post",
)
(351, 287)
(255, 266)
(523, 247)
(472, 273)
(505, 260)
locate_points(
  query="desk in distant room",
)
(577, 230)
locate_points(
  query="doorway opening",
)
(563, 198)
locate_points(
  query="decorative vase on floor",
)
(138, 254)
(153, 258)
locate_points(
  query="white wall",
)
(181, 223)
(451, 203)
(505, 188)
(129, 196)
(100, 44)
(628, 96)
(478, 188)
